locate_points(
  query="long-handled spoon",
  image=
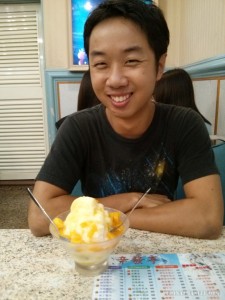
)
(42, 209)
(130, 212)
(158, 172)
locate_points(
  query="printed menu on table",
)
(162, 276)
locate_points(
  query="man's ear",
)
(161, 66)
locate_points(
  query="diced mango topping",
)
(86, 224)
(110, 235)
(115, 217)
(59, 223)
(92, 230)
(75, 237)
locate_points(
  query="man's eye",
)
(100, 65)
(132, 62)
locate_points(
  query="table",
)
(39, 268)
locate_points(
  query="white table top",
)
(39, 268)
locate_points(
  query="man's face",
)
(123, 68)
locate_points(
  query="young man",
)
(115, 147)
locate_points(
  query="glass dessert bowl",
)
(91, 258)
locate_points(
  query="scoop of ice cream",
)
(88, 222)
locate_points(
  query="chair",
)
(219, 152)
(77, 190)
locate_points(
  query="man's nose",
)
(116, 77)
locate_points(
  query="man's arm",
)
(199, 215)
(53, 199)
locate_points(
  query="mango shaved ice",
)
(88, 222)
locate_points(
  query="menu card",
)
(162, 276)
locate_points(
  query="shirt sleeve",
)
(62, 166)
(195, 156)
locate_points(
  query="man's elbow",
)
(37, 227)
(212, 229)
(37, 232)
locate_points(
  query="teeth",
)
(120, 98)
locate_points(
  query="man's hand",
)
(152, 200)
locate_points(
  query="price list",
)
(162, 276)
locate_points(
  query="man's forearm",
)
(185, 218)
(37, 221)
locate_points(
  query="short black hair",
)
(148, 17)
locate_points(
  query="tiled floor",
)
(13, 207)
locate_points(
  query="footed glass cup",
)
(91, 259)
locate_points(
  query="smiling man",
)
(115, 148)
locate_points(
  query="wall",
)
(197, 29)
(210, 100)
(55, 14)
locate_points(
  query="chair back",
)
(77, 190)
(219, 152)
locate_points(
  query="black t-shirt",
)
(86, 148)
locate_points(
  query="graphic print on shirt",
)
(136, 176)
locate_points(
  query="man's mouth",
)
(120, 99)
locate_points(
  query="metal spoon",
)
(42, 209)
(130, 212)
(158, 172)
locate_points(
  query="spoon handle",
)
(39, 205)
(148, 190)
(130, 212)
